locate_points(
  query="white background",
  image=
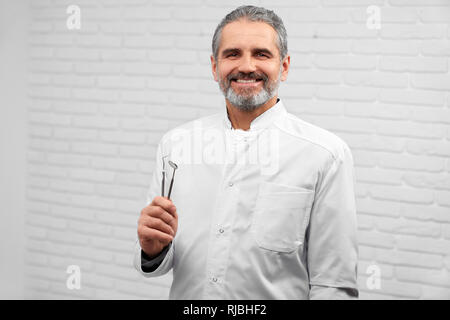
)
(81, 112)
(13, 127)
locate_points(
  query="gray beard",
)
(249, 103)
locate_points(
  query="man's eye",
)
(232, 55)
(260, 54)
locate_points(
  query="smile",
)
(247, 82)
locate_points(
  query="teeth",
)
(245, 81)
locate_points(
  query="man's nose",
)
(247, 64)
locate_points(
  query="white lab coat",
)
(267, 213)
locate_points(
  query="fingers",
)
(156, 223)
(158, 212)
(154, 234)
(164, 203)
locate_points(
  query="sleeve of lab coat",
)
(164, 266)
(332, 249)
(155, 189)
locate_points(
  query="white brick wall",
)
(101, 97)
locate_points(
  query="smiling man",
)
(249, 67)
(263, 204)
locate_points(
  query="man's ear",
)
(285, 67)
(214, 68)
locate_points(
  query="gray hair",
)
(253, 13)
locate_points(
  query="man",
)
(262, 205)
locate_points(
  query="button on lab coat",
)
(267, 213)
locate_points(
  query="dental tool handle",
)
(163, 183)
(171, 184)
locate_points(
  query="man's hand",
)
(157, 226)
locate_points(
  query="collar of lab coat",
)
(259, 123)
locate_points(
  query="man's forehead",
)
(244, 32)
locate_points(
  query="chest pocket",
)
(281, 216)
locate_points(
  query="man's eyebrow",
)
(255, 50)
(263, 50)
(229, 50)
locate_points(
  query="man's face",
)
(248, 66)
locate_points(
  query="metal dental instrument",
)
(175, 167)
(162, 184)
(163, 176)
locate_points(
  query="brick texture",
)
(102, 96)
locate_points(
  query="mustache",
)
(247, 76)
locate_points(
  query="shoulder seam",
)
(303, 138)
